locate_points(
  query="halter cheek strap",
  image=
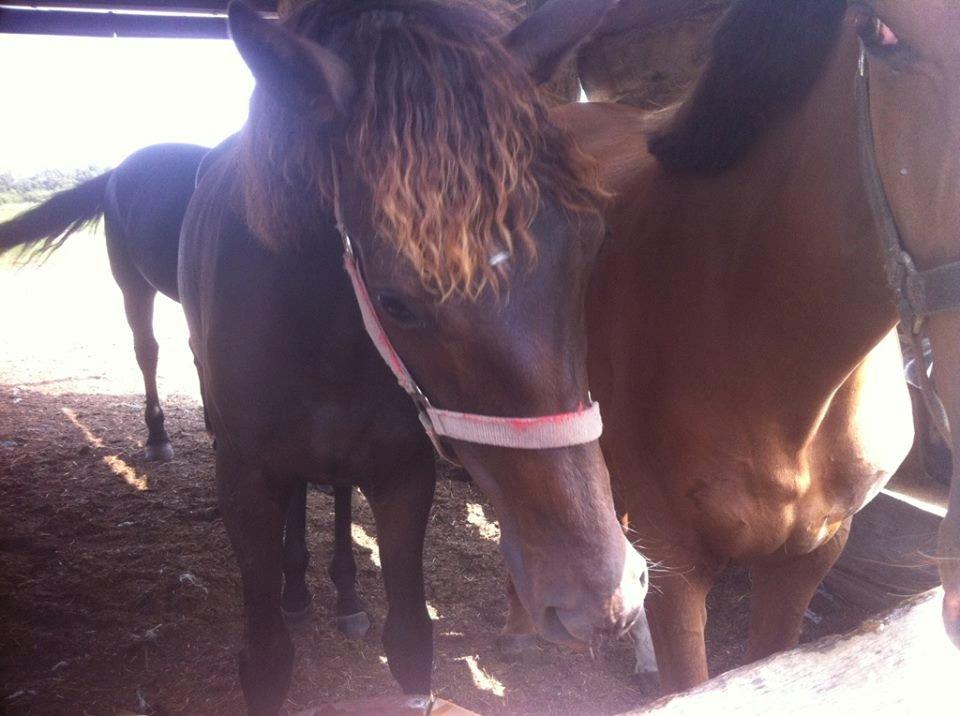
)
(539, 433)
(918, 294)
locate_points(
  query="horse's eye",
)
(397, 310)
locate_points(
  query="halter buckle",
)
(347, 244)
(910, 290)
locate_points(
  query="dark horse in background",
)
(476, 223)
(142, 202)
(757, 402)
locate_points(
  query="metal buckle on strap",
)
(909, 289)
(347, 244)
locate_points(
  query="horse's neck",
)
(810, 246)
(771, 269)
(808, 243)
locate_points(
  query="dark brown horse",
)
(740, 323)
(475, 220)
(142, 202)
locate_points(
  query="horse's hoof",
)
(297, 616)
(354, 626)
(161, 452)
(512, 646)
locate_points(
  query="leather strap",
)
(936, 290)
(918, 294)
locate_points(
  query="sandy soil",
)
(118, 590)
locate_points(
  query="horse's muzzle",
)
(575, 619)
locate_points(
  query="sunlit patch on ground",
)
(362, 539)
(485, 528)
(118, 466)
(482, 680)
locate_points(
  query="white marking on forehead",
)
(499, 258)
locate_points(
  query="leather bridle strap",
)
(918, 294)
(539, 433)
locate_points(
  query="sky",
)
(68, 102)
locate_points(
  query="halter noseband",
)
(918, 294)
(549, 431)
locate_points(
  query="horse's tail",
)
(43, 229)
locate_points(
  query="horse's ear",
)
(296, 72)
(550, 35)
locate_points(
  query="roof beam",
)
(126, 18)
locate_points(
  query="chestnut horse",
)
(739, 318)
(476, 224)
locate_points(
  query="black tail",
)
(43, 229)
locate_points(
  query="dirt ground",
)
(118, 590)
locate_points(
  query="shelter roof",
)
(121, 18)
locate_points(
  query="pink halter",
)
(549, 431)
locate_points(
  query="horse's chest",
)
(777, 496)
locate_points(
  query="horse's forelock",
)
(448, 133)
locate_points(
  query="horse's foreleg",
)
(677, 614)
(401, 509)
(138, 298)
(296, 598)
(519, 634)
(352, 619)
(253, 512)
(781, 592)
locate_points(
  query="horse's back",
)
(147, 197)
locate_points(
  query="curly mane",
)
(447, 131)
